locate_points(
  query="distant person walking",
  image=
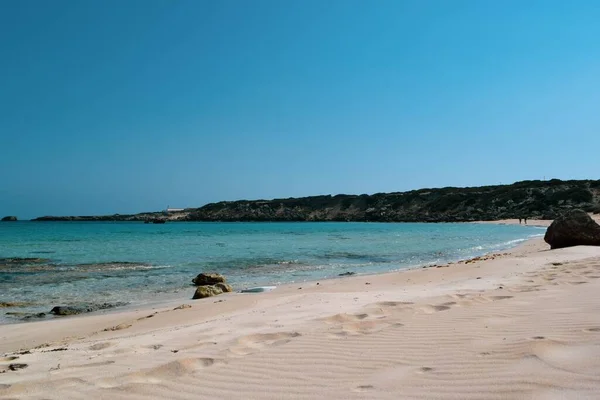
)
(525, 220)
(519, 221)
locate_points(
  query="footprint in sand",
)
(100, 346)
(344, 318)
(525, 289)
(424, 370)
(254, 343)
(10, 358)
(359, 324)
(458, 296)
(592, 330)
(364, 388)
(394, 303)
(170, 371)
(431, 309)
(496, 298)
(574, 358)
(361, 328)
(94, 364)
(118, 327)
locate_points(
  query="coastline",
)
(94, 320)
(91, 322)
(180, 294)
(376, 330)
(166, 302)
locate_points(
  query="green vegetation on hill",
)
(531, 199)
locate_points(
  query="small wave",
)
(511, 242)
(288, 262)
(536, 235)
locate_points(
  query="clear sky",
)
(127, 106)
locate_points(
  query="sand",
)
(521, 325)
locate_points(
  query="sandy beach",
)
(523, 324)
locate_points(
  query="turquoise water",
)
(85, 260)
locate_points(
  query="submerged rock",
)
(64, 310)
(347, 273)
(112, 265)
(81, 309)
(15, 261)
(206, 291)
(574, 228)
(10, 218)
(25, 315)
(7, 304)
(208, 279)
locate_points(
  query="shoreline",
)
(494, 327)
(162, 305)
(165, 300)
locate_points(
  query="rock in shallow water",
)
(16, 261)
(65, 310)
(6, 304)
(25, 316)
(206, 291)
(574, 228)
(224, 287)
(80, 309)
(208, 279)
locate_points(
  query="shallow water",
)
(99, 262)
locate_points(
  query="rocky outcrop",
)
(225, 288)
(9, 218)
(208, 279)
(526, 199)
(206, 291)
(210, 284)
(574, 228)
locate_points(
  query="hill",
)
(531, 199)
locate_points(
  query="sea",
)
(47, 264)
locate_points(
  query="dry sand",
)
(524, 325)
(532, 222)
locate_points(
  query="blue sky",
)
(126, 106)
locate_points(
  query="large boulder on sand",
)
(208, 279)
(574, 228)
(207, 291)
